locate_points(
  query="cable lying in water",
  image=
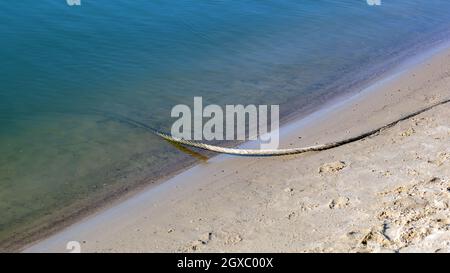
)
(290, 151)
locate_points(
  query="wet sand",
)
(389, 192)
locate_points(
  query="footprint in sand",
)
(441, 158)
(409, 132)
(332, 167)
(339, 203)
(412, 213)
(197, 244)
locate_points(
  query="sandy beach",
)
(386, 193)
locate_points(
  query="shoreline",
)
(321, 123)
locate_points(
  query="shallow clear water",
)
(69, 73)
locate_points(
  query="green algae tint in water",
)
(72, 75)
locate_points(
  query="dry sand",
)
(389, 192)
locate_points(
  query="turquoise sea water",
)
(69, 76)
